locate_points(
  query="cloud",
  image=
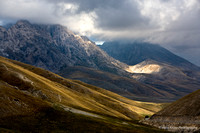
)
(23, 9)
(94, 16)
(171, 23)
(120, 17)
(182, 35)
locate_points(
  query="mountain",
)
(53, 47)
(182, 115)
(155, 66)
(133, 53)
(56, 48)
(36, 100)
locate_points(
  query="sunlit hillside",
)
(27, 91)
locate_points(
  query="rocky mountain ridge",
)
(53, 47)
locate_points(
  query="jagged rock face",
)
(53, 47)
(133, 53)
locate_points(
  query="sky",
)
(174, 24)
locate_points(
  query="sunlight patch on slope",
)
(148, 69)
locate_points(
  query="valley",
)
(39, 100)
(53, 80)
(56, 48)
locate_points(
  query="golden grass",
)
(57, 90)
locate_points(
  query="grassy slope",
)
(182, 115)
(33, 94)
(91, 92)
(40, 116)
(186, 106)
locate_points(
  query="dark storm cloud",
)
(111, 14)
(115, 14)
(182, 36)
(120, 17)
(91, 5)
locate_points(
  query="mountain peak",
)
(23, 22)
(52, 47)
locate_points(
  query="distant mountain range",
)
(56, 48)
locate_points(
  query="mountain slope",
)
(133, 53)
(184, 112)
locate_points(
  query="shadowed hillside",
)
(181, 115)
(123, 86)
